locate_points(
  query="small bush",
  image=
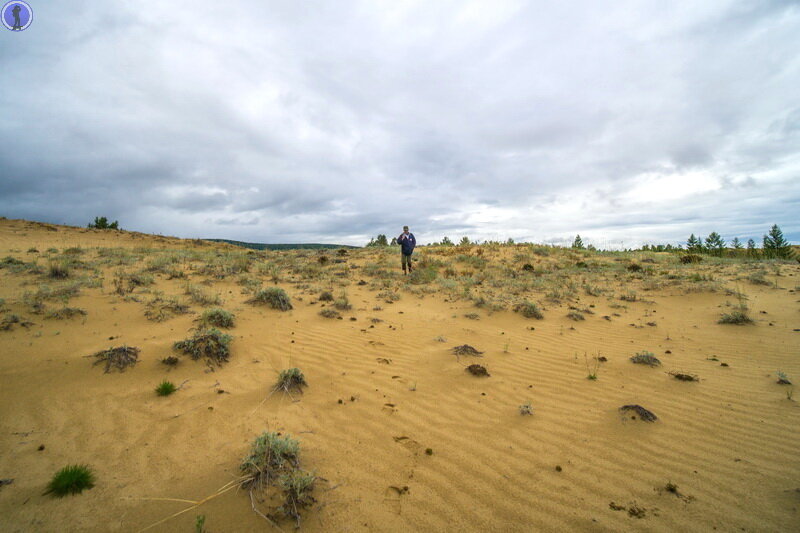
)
(329, 313)
(326, 296)
(576, 316)
(58, 270)
(120, 358)
(218, 317)
(645, 358)
(275, 297)
(289, 380)
(65, 313)
(644, 414)
(529, 310)
(477, 370)
(103, 223)
(526, 409)
(296, 486)
(738, 317)
(165, 388)
(170, 360)
(162, 308)
(690, 258)
(212, 345)
(270, 455)
(72, 479)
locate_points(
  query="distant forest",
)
(263, 246)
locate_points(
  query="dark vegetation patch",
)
(466, 349)
(681, 376)
(211, 345)
(644, 414)
(218, 317)
(120, 358)
(275, 297)
(65, 313)
(478, 370)
(646, 358)
(529, 310)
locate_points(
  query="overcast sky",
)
(333, 121)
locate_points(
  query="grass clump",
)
(58, 270)
(165, 388)
(342, 303)
(211, 345)
(218, 317)
(529, 310)
(296, 486)
(326, 296)
(737, 316)
(270, 455)
(466, 349)
(330, 313)
(65, 313)
(275, 297)
(526, 409)
(576, 316)
(645, 358)
(120, 358)
(289, 380)
(72, 479)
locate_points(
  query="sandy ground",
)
(401, 436)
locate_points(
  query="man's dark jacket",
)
(407, 243)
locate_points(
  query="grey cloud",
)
(335, 122)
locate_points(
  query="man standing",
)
(15, 11)
(407, 243)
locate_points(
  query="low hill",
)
(297, 246)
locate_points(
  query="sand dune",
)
(401, 436)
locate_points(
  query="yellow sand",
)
(729, 442)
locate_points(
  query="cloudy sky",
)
(331, 121)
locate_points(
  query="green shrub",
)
(218, 317)
(72, 479)
(738, 316)
(290, 379)
(326, 296)
(329, 313)
(646, 358)
(165, 388)
(270, 455)
(59, 270)
(275, 297)
(213, 345)
(529, 310)
(296, 486)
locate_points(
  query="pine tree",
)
(578, 243)
(381, 240)
(714, 243)
(464, 241)
(775, 245)
(446, 241)
(394, 242)
(693, 244)
(736, 243)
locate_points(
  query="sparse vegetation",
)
(477, 370)
(526, 409)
